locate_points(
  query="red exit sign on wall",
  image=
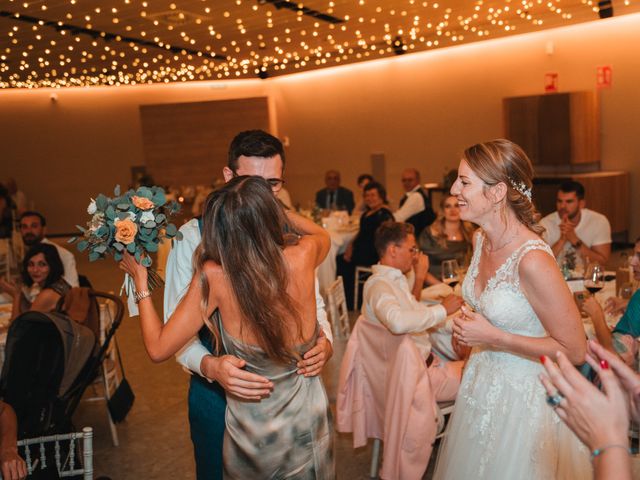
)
(603, 76)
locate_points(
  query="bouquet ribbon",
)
(129, 288)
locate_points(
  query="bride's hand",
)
(471, 329)
(135, 270)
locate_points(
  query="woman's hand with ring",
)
(473, 329)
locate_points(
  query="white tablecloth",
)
(340, 239)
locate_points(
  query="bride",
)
(520, 308)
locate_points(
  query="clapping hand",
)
(629, 379)
(597, 417)
(471, 329)
(9, 287)
(615, 305)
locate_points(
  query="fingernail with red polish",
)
(604, 364)
(543, 359)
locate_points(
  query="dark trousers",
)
(207, 405)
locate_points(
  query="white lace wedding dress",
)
(502, 427)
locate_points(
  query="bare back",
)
(300, 262)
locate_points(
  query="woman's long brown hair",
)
(243, 232)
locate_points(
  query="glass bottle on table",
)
(450, 272)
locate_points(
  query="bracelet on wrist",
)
(142, 294)
(598, 451)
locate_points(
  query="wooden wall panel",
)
(187, 143)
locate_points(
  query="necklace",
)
(493, 250)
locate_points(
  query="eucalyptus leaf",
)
(161, 217)
(102, 202)
(123, 206)
(145, 231)
(145, 192)
(100, 248)
(117, 256)
(110, 212)
(72, 239)
(150, 224)
(93, 256)
(171, 230)
(82, 229)
(138, 256)
(82, 245)
(102, 231)
(118, 246)
(123, 215)
(179, 235)
(131, 248)
(146, 262)
(151, 246)
(159, 198)
(116, 191)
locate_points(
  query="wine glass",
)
(594, 278)
(450, 272)
(626, 290)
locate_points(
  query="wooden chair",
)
(338, 311)
(35, 452)
(361, 275)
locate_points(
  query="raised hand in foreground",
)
(600, 419)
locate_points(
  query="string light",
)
(68, 43)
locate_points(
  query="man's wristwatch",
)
(577, 245)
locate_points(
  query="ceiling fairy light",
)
(68, 43)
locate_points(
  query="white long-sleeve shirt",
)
(387, 299)
(178, 277)
(413, 205)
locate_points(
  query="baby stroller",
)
(50, 360)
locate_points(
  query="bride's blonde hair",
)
(503, 161)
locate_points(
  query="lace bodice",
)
(502, 301)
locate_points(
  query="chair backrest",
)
(43, 453)
(360, 277)
(338, 311)
(384, 392)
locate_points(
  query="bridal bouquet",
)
(135, 222)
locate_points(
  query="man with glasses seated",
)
(252, 152)
(391, 298)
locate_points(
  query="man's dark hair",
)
(379, 187)
(391, 232)
(572, 186)
(254, 143)
(31, 213)
(364, 176)
(51, 256)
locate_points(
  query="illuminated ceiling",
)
(62, 43)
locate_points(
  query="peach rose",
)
(142, 203)
(125, 230)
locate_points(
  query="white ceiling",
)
(61, 43)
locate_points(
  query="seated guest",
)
(43, 282)
(415, 205)
(448, 238)
(333, 196)
(575, 231)
(6, 213)
(362, 182)
(362, 251)
(33, 227)
(392, 300)
(622, 340)
(11, 465)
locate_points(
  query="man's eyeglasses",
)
(413, 250)
(276, 183)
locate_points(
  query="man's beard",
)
(30, 239)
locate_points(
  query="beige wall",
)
(419, 110)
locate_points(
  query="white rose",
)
(147, 216)
(92, 208)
